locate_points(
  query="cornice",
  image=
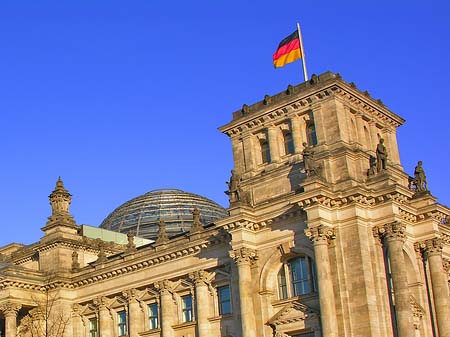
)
(302, 98)
(367, 200)
(170, 251)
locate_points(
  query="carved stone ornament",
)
(101, 257)
(102, 302)
(60, 200)
(164, 286)
(131, 247)
(267, 100)
(196, 223)
(393, 231)
(418, 312)
(162, 234)
(382, 156)
(320, 233)
(244, 255)
(244, 109)
(200, 277)
(10, 308)
(75, 263)
(310, 164)
(419, 182)
(431, 246)
(289, 90)
(131, 295)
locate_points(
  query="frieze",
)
(254, 226)
(364, 103)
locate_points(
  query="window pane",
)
(282, 287)
(186, 308)
(122, 323)
(153, 315)
(93, 327)
(288, 143)
(224, 300)
(265, 152)
(300, 276)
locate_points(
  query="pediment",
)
(290, 313)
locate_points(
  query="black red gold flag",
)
(288, 50)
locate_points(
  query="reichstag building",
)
(325, 235)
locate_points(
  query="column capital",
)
(320, 234)
(243, 255)
(10, 308)
(101, 302)
(164, 286)
(431, 246)
(131, 295)
(77, 310)
(392, 231)
(200, 277)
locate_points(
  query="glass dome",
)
(142, 214)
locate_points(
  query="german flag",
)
(288, 51)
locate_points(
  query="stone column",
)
(10, 310)
(394, 237)
(104, 317)
(274, 144)
(433, 253)
(320, 237)
(167, 315)
(297, 134)
(133, 312)
(249, 153)
(243, 258)
(200, 279)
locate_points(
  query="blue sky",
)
(123, 97)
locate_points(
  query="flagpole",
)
(302, 52)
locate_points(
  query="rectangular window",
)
(186, 308)
(122, 323)
(93, 327)
(224, 297)
(153, 316)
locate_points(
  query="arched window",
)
(265, 151)
(288, 142)
(296, 278)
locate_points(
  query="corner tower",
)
(333, 232)
(343, 124)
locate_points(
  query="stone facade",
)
(318, 242)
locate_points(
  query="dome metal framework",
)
(142, 214)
